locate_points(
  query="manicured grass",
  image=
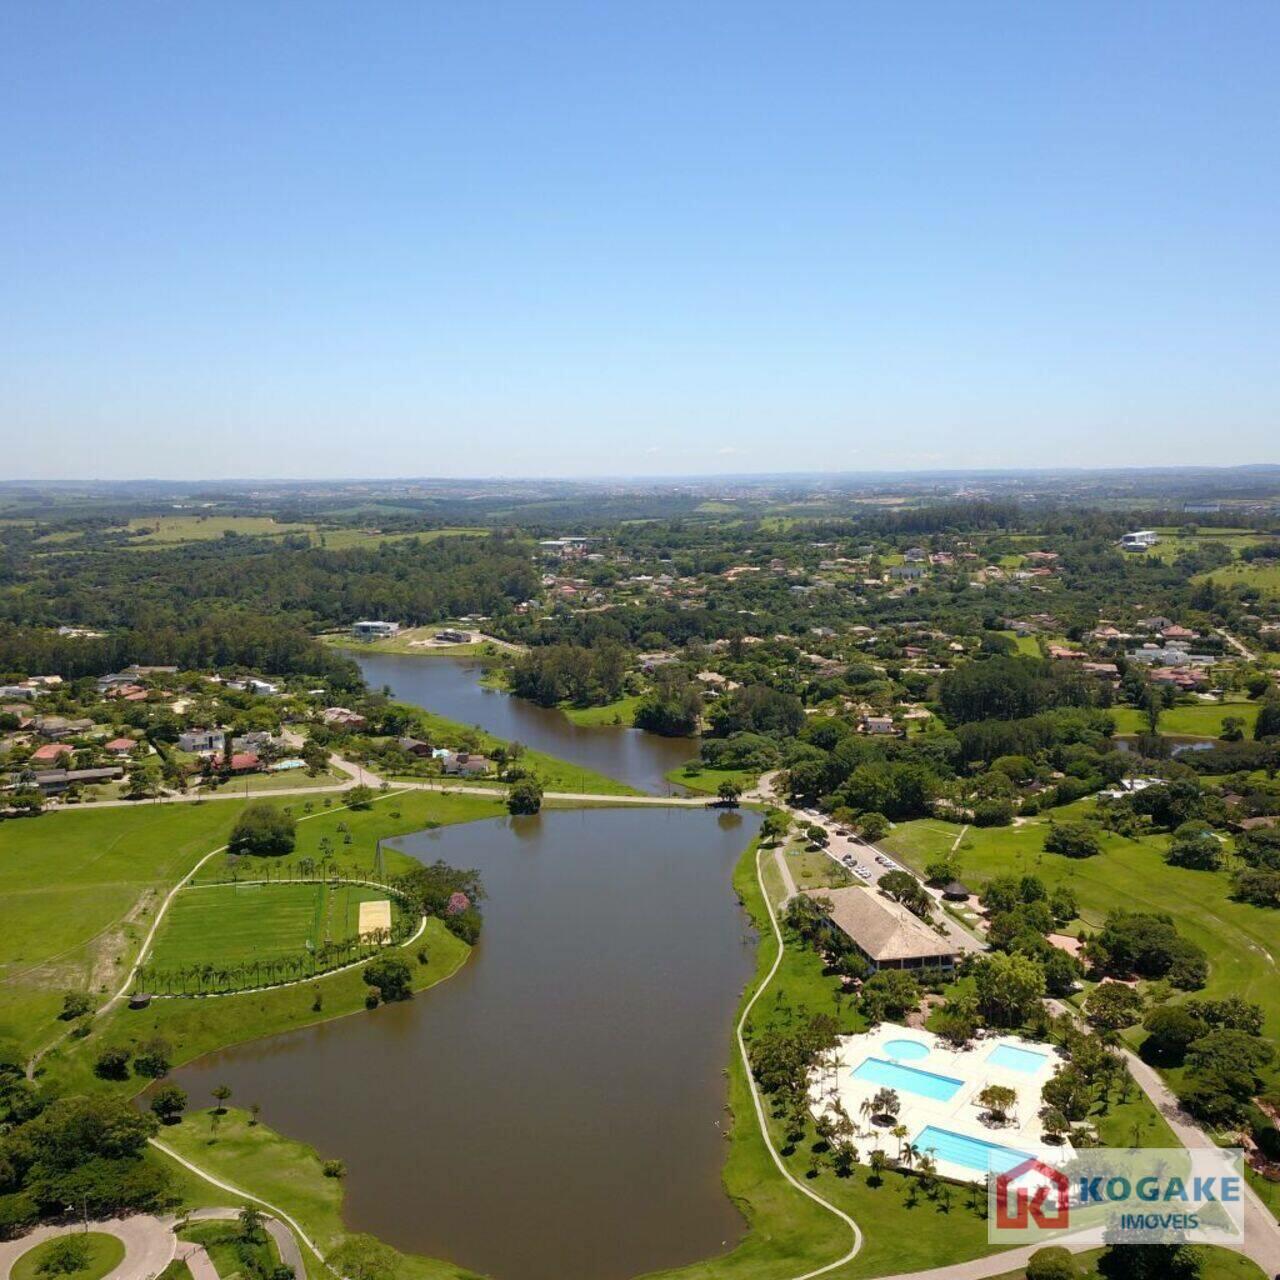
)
(221, 1243)
(237, 924)
(706, 781)
(812, 869)
(285, 1173)
(1027, 645)
(106, 1253)
(620, 712)
(1264, 576)
(79, 888)
(1239, 939)
(1198, 720)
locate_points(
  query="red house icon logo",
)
(1044, 1203)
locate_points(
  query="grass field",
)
(705, 781)
(106, 1253)
(78, 889)
(1265, 577)
(240, 923)
(1239, 939)
(286, 1173)
(177, 530)
(621, 712)
(1199, 720)
(1027, 645)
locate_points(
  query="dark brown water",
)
(555, 1111)
(449, 687)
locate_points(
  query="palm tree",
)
(909, 1153)
(899, 1131)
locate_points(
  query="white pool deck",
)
(958, 1114)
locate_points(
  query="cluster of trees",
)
(86, 1151)
(578, 674)
(1146, 944)
(1259, 881)
(264, 830)
(449, 893)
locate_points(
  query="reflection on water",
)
(556, 1109)
(449, 687)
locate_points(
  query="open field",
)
(1199, 720)
(286, 1173)
(621, 712)
(705, 781)
(1027, 645)
(1265, 577)
(177, 530)
(79, 889)
(1239, 939)
(420, 642)
(240, 923)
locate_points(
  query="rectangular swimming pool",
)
(1015, 1059)
(924, 1084)
(969, 1153)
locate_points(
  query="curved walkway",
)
(286, 1245)
(761, 1118)
(149, 1244)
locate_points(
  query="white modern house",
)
(373, 629)
(1139, 540)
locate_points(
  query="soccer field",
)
(236, 924)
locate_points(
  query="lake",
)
(450, 687)
(557, 1108)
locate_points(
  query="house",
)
(252, 684)
(905, 572)
(914, 555)
(1061, 652)
(884, 931)
(126, 693)
(879, 725)
(244, 762)
(120, 746)
(1139, 540)
(466, 764)
(342, 718)
(451, 635)
(202, 741)
(53, 781)
(50, 753)
(414, 746)
(1177, 632)
(256, 739)
(1103, 670)
(60, 727)
(373, 629)
(18, 691)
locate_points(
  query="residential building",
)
(373, 629)
(1139, 540)
(202, 741)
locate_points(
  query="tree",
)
(889, 993)
(817, 836)
(112, 1063)
(220, 1095)
(1151, 1262)
(729, 793)
(66, 1255)
(1111, 1006)
(886, 1104)
(264, 830)
(363, 1257)
(315, 757)
(168, 1103)
(903, 887)
(525, 797)
(1009, 987)
(1268, 723)
(1194, 845)
(1051, 1263)
(1171, 1029)
(873, 826)
(1072, 840)
(153, 1059)
(360, 797)
(75, 1004)
(390, 976)
(999, 1100)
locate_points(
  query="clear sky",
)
(470, 238)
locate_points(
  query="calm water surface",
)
(448, 686)
(555, 1111)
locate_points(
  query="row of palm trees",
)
(207, 977)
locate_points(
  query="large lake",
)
(450, 687)
(557, 1108)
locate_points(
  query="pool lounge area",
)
(937, 1087)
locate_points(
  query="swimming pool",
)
(924, 1084)
(905, 1050)
(1015, 1059)
(969, 1153)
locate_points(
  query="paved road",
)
(149, 1244)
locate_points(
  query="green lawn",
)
(1265, 577)
(621, 712)
(221, 1243)
(706, 781)
(284, 1173)
(236, 924)
(105, 1254)
(1198, 720)
(77, 893)
(1239, 939)
(812, 869)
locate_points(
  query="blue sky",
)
(317, 239)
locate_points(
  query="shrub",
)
(112, 1063)
(264, 830)
(1051, 1263)
(1072, 840)
(390, 976)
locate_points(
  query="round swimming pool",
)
(906, 1050)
